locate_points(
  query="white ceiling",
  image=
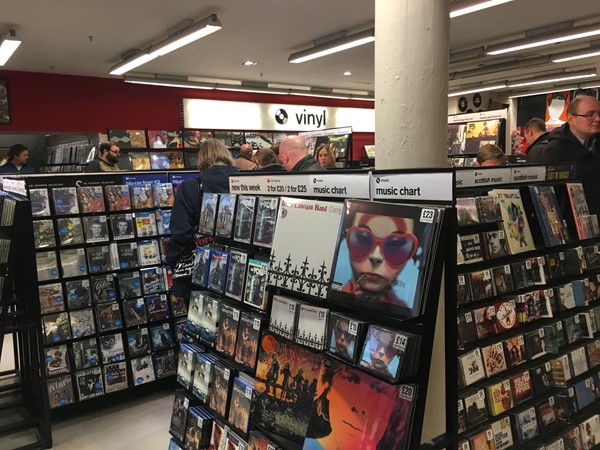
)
(85, 37)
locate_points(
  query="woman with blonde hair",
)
(324, 156)
(215, 165)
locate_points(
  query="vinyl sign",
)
(224, 115)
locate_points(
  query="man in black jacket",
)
(536, 135)
(294, 156)
(578, 141)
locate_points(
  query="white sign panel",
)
(339, 185)
(433, 186)
(528, 174)
(224, 115)
(482, 177)
(14, 186)
(478, 116)
(270, 185)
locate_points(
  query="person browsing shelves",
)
(108, 157)
(16, 161)
(294, 156)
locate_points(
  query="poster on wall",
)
(556, 109)
(4, 107)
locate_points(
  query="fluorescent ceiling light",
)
(168, 83)
(349, 91)
(544, 39)
(177, 40)
(8, 45)
(333, 46)
(553, 78)
(253, 89)
(551, 91)
(288, 86)
(460, 8)
(579, 54)
(477, 89)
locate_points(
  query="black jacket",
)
(186, 208)
(535, 150)
(307, 164)
(10, 167)
(564, 147)
(276, 167)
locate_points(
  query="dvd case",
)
(40, 205)
(73, 262)
(91, 199)
(43, 233)
(78, 294)
(65, 201)
(163, 195)
(117, 197)
(266, 217)
(122, 226)
(208, 213)
(217, 272)
(141, 196)
(138, 342)
(142, 370)
(115, 377)
(51, 298)
(60, 391)
(244, 218)
(111, 347)
(69, 230)
(225, 215)
(236, 275)
(82, 322)
(255, 293)
(85, 353)
(246, 347)
(134, 311)
(56, 360)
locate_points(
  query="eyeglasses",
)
(590, 115)
(397, 248)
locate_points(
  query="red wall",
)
(42, 102)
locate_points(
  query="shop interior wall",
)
(52, 103)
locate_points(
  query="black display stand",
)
(23, 395)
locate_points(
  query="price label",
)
(400, 342)
(547, 366)
(468, 317)
(559, 326)
(165, 326)
(291, 307)
(407, 392)
(541, 332)
(248, 393)
(321, 315)
(353, 327)
(144, 330)
(427, 215)
(460, 405)
(526, 376)
(256, 324)
(561, 256)
(461, 280)
(236, 315)
(551, 401)
(541, 260)
(476, 238)
(520, 340)
(226, 373)
(507, 269)
(571, 392)
(186, 402)
(490, 435)
(481, 394)
(487, 275)
(528, 265)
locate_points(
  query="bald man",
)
(294, 156)
(244, 159)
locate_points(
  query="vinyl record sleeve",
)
(514, 220)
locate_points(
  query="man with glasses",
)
(108, 157)
(578, 141)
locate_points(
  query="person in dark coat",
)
(16, 161)
(537, 137)
(294, 156)
(266, 159)
(578, 141)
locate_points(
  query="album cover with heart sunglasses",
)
(384, 256)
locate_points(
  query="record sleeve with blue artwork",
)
(295, 265)
(384, 257)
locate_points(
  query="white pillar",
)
(411, 83)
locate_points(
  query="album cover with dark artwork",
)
(191, 160)
(255, 293)
(521, 386)
(85, 353)
(236, 275)
(103, 288)
(208, 213)
(60, 391)
(465, 329)
(525, 423)
(217, 272)
(148, 252)
(495, 244)
(122, 226)
(142, 370)
(115, 377)
(95, 229)
(474, 400)
(82, 322)
(244, 218)
(69, 230)
(157, 307)
(100, 259)
(65, 201)
(472, 248)
(40, 206)
(51, 298)
(488, 208)
(228, 330)
(463, 293)
(91, 199)
(179, 305)
(165, 363)
(142, 196)
(47, 266)
(522, 276)
(43, 233)
(225, 215)
(73, 262)
(138, 342)
(56, 360)
(266, 218)
(503, 281)
(56, 327)
(404, 236)
(246, 347)
(548, 215)
(108, 316)
(282, 405)
(129, 285)
(117, 197)
(161, 337)
(466, 211)
(78, 294)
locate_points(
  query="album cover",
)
(277, 406)
(255, 293)
(40, 206)
(193, 138)
(472, 248)
(115, 377)
(149, 253)
(516, 352)
(60, 391)
(100, 259)
(483, 439)
(244, 218)
(496, 245)
(117, 197)
(521, 387)
(593, 353)
(525, 423)
(466, 333)
(165, 363)
(208, 213)
(548, 215)
(466, 211)
(503, 437)
(217, 272)
(258, 441)
(56, 327)
(388, 353)
(236, 275)
(225, 215)
(73, 262)
(482, 284)
(78, 294)
(161, 337)
(499, 397)
(590, 432)
(523, 277)
(572, 439)
(470, 367)
(85, 353)
(159, 161)
(579, 208)
(142, 370)
(514, 219)
(506, 315)
(540, 377)
(65, 201)
(51, 298)
(122, 226)
(284, 316)
(578, 361)
(463, 293)
(494, 360)
(246, 347)
(56, 360)
(43, 233)
(157, 307)
(191, 160)
(555, 337)
(142, 196)
(82, 323)
(138, 342)
(535, 343)
(69, 230)
(474, 404)
(108, 316)
(103, 289)
(485, 321)
(266, 217)
(228, 330)
(47, 266)
(311, 327)
(91, 199)
(560, 371)
(140, 160)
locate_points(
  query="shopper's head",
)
(246, 150)
(109, 151)
(291, 150)
(534, 129)
(583, 116)
(265, 157)
(324, 156)
(213, 152)
(490, 155)
(18, 154)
